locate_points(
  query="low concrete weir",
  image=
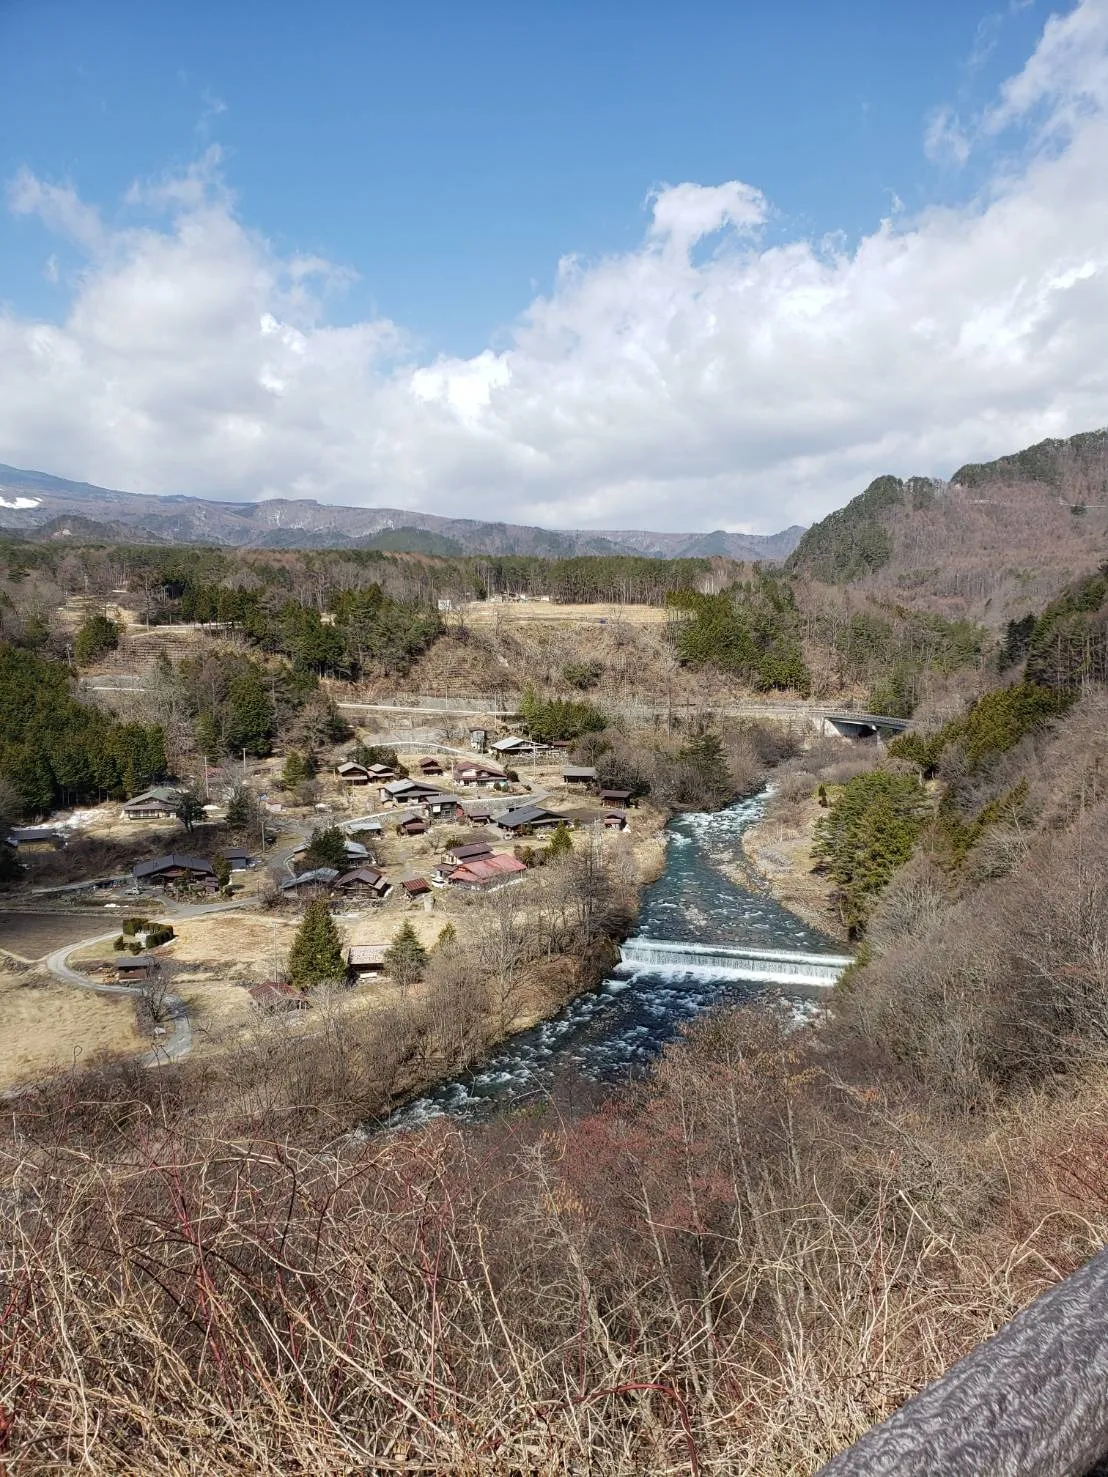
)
(769, 966)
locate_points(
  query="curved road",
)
(178, 1039)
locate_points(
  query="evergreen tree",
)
(242, 810)
(295, 771)
(96, 637)
(406, 958)
(561, 842)
(250, 715)
(327, 848)
(316, 954)
(222, 869)
(189, 809)
(868, 832)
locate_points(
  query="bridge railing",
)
(1030, 1402)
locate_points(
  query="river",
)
(615, 1031)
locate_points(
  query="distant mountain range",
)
(41, 507)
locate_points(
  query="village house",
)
(274, 995)
(514, 747)
(408, 792)
(430, 765)
(237, 858)
(163, 871)
(577, 774)
(136, 966)
(477, 772)
(487, 871)
(416, 886)
(478, 739)
(319, 877)
(362, 959)
(466, 850)
(612, 798)
(157, 803)
(378, 773)
(352, 774)
(479, 814)
(615, 820)
(34, 838)
(364, 880)
(525, 818)
(444, 807)
(412, 825)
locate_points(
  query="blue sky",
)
(450, 153)
(270, 248)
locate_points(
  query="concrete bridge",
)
(764, 966)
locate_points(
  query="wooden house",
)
(275, 995)
(35, 838)
(416, 886)
(364, 880)
(136, 966)
(364, 959)
(487, 871)
(353, 774)
(157, 803)
(164, 871)
(616, 798)
(477, 772)
(526, 818)
(578, 775)
(430, 765)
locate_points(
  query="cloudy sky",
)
(694, 269)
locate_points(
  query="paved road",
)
(178, 1038)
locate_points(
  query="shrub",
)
(135, 925)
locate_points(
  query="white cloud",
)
(748, 386)
(945, 140)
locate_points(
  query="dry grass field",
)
(45, 1025)
(481, 612)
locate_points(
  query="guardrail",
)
(1030, 1402)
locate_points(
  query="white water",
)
(767, 966)
(702, 945)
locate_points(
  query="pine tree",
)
(222, 869)
(327, 848)
(406, 958)
(294, 771)
(561, 842)
(242, 809)
(316, 954)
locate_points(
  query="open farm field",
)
(32, 935)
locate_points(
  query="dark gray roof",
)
(473, 848)
(316, 878)
(526, 815)
(368, 875)
(32, 833)
(136, 961)
(171, 861)
(235, 854)
(578, 772)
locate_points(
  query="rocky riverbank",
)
(778, 851)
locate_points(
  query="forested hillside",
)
(998, 539)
